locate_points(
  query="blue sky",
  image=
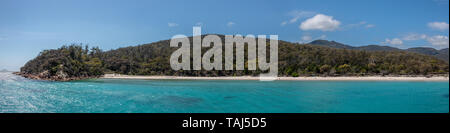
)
(30, 26)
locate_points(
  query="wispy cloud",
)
(436, 41)
(199, 24)
(172, 24)
(297, 15)
(441, 2)
(230, 24)
(363, 24)
(370, 25)
(414, 36)
(357, 24)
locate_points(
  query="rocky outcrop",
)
(59, 76)
(64, 64)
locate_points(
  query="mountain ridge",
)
(440, 54)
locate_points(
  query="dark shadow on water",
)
(181, 100)
(169, 100)
(229, 97)
(445, 95)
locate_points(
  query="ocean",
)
(20, 95)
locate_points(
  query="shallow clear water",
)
(172, 96)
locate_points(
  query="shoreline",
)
(348, 78)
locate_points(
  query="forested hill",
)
(78, 62)
(440, 54)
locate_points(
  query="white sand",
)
(368, 78)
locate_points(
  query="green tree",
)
(344, 69)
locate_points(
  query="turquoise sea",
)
(19, 95)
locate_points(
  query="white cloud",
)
(306, 38)
(395, 41)
(172, 24)
(443, 26)
(230, 24)
(320, 22)
(414, 36)
(439, 41)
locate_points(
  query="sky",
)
(30, 26)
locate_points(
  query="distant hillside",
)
(4, 70)
(440, 54)
(443, 54)
(76, 62)
(424, 50)
(377, 48)
(334, 44)
(331, 44)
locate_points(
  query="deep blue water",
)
(196, 96)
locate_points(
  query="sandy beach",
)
(368, 78)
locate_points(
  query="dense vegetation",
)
(74, 61)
